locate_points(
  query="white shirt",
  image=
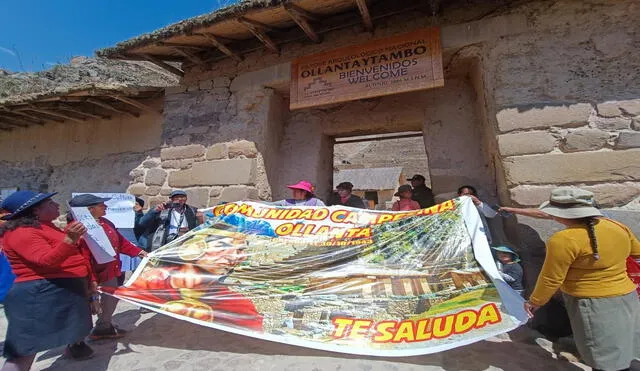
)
(174, 219)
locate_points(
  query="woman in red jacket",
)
(105, 274)
(48, 305)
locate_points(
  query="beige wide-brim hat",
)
(570, 203)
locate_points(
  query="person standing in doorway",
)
(483, 208)
(346, 198)
(420, 193)
(303, 194)
(105, 274)
(405, 203)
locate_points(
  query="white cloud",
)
(8, 51)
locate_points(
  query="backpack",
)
(158, 236)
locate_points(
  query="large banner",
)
(334, 278)
(397, 64)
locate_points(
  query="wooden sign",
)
(398, 64)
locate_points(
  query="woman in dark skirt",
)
(49, 303)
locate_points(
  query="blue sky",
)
(37, 34)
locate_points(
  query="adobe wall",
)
(550, 96)
(96, 155)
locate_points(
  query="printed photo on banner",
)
(119, 208)
(96, 238)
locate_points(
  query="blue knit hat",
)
(19, 202)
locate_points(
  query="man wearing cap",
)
(345, 198)
(106, 274)
(169, 220)
(420, 192)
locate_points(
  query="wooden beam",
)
(3, 121)
(162, 64)
(180, 50)
(133, 102)
(258, 32)
(223, 48)
(35, 116)
(257, 24)
(302, 17)
(107, 106)
(35, 120)
(22, 121)
(65, 107)
(55, 114)
(182, 45)
(364, 12)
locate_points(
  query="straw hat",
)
(570, 203)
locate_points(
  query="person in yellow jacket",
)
(587, 262)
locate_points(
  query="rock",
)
(529, 117)
(166, 191)
(608, 109)
(198, 197)
(585, 140)
(217, 151)
(606, 195)
(243, 148)
(628, 139)
(526, 143)
(630, 107)
(181, 178)
(152, 191)
(189, 151)
(151, 163)
(215, 191)
(573, 167)
(155, 177)
(206, 84)
(237, 193)
(224, 172)
(221, 82)
(137, 189)
(606, 123)
(178, 164)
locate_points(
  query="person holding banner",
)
(303, 194)
(587, 262)
(105, 274)
(48, 305)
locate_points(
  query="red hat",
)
(303, 185)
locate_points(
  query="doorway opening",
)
(378, 164)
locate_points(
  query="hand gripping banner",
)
(334, 278)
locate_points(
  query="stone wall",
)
(222, 172)
(566, 102)
(92, 156)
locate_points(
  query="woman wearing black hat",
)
(48, 305)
